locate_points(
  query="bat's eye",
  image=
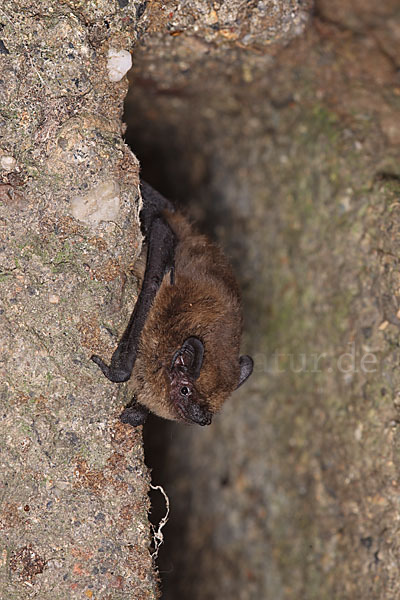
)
(185, 391)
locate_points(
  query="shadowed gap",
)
(167, 165)
(171, 178)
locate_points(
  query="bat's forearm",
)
(160, 260)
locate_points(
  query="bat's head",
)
(185, 398)
(185, 369)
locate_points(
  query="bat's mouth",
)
(182, 414)
(194, 413)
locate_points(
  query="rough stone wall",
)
(73, 515)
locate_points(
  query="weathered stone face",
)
(68, 469)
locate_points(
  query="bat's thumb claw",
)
(99, 362)
(114, 374)
(96, 359)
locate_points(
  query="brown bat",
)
(180, 350)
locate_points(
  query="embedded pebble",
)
(118, 64)
(100, 204)
(8, 163)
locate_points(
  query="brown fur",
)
(203, 302)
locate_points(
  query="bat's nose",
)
(194, 412)
(199, 415)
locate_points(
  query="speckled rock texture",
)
(291, 159)
(73, 513)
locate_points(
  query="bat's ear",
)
(190, 355)
(246, 368)
(193, 349)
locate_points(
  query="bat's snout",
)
(195, 413)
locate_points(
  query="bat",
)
(180, 350)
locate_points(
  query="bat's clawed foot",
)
(135, 414)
